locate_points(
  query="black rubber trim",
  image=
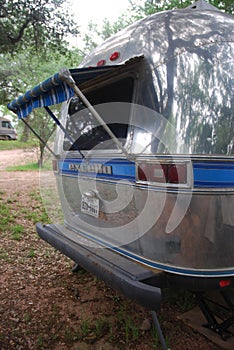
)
(115, 270)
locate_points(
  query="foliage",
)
(224, 5)
(44, 126)
(21, 73)
(151, 6)
(94, 34)
(19, 76)
(34, 26)
(89, 39)
(33, 43)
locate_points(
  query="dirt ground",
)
(44, 305)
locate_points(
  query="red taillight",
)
(142, 173)
(169, 173)
(224, 283)
(177, 174)
(101, 63)
(152, 172)
(55, 165)
(114, 56)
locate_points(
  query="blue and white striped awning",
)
(53, 90)
(50, 92)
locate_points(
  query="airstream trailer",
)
(144, 155)
(7, 131)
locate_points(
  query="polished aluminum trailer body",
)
(168, 203)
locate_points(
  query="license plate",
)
(90, 206)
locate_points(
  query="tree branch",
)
(16, 39)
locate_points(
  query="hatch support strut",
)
(66, 76)
(51, 114)
(39, 137)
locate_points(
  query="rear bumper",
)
(135, 281)
(115, 270)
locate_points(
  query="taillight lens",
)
(55, 165)
(152, 172)
(168, 173)
(177, 174)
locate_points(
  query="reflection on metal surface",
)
(147, 170)
(170, 205)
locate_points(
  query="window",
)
(83, 126)
(6, 124)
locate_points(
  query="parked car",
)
(7, 131)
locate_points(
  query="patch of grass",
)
(38, 216)
(31, 253)
(15, 144)
(40, 341)
(101, 327)
(1, 337)
(182, 299)
(27, 317)
(16, 232)
(155, 337)
(44, 218)
(47, 165)
(11, 200)
(29, 167)
(70, 335)
(131, 331)
(156, 340)
(24, 167)
(6, 217)
(3, 254)
(47, 254)
(85, 328)
(35, 195)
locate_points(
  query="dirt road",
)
(16, 157)
(11, 181)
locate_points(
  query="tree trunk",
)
(40, 160)
(25, 134)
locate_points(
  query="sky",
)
(95, 11)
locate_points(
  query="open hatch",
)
(64, 85)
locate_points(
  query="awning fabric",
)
(53, 90)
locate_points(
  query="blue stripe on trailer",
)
(206, 174)
(120, 169)
(213, 174)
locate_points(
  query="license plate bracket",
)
(90, 205)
